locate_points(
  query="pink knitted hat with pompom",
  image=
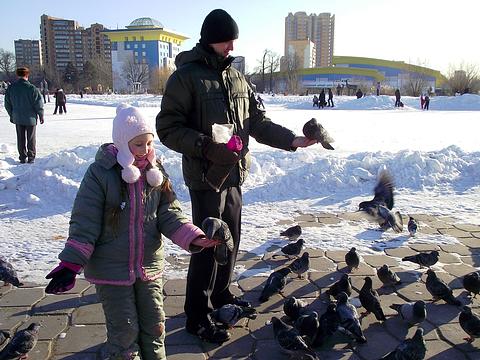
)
(128, 124)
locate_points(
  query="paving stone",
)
(449, 258)
(440, 350)
(352, 216)
(472, 260)
(379, 342)
(315, 253)
(459, 249)
(323, 214)
(185, 352)
(88, 339)
(175, 287)
(458, 270)
(80, 286)
(19, 297)
(358, 281)
(253, 283)
(422, 247)
(247, 255)
(177, 335)
(400, 252)
(441, 313)
(454, 334)
(173, 305)
(427, 230)
(41, 351)
(322, 264)
(455, 233)
(301, 288)
(424, 217)
(12, 317)
(268, 350)
(329, 221)
(241, 344)
(274, 260)
(305, 218)
(260, 328)
(414, 291)
(88, 314)
(471, 242)
(362, 270)
(468, 227)
(51, 325)
(337, 354)
(324, 280)
(399, 329)
(379, 260)
(274, 304)
(336, 255)
(57, 304)
(78, 356)
(284, 222)
(310, 224)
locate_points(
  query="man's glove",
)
(41, 119)
(218, 153)
(63, 277)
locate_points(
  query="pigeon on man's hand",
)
(470, 323)
(315, 131)
(275, 283)
(229, 314)
(410, 349)
(424, 259)
(292, 233)
(387, 276)
(471, 283)
(22, 342)
(370, 300)
(412, 312)
(439, 289)
(217, 229)
(8, 274)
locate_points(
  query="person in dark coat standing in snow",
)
(397, 98)
(260, 102)
(60, 101)
(321, 99)
(359, 93)
(427, 102)
(330, 98)
(203, 95)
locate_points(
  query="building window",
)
(127, 46)
(144, 53)
(136, 53)
(135, 46)
(143, 46)
(126, 38)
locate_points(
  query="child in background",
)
(123, 206)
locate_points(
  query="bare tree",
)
(103, 71)
(262, 68)
(135, 73)
(273, 63)
(463, 78)
(7, 64)
(292, 64)
(159, 79)
(415, 79)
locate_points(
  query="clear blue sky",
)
(433, 33)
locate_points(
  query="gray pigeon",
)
(439, 289)
(293, 307)
(229, 314)
(471, 283)
(315, 131)
(470, 323)
(410, 349)
(275, 283)
(390, 219)
(290, 340)
(383, 195)
(424, 259)
(4, 335)
(293, 249)
(327, 325)
(301, 265)
(342, 285)
(352, 259)
(370, 300)
(348, 318)
(412, 226)
(292, 233)
(8, 274)
(387, 276)
(307, 326)
(22, 342)
(217, 229)
(413, 312)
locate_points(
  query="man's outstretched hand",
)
(302, 142)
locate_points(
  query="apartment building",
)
(28, 53)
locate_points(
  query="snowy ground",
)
(433, 156)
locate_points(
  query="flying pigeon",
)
(424, 259)
(22, 342)
(348, 317)
(8, 274)
(412, 226)
(370, 300)
(439, 290)
(471, 283)
(293, 249)
(292, 233)
(352, 259)
(342, 285)
(229, 314)
(387, 276)
(327, 324)
(315, 131)
(470, 323)
(217, 229)
(293, 307)
(301, 265)
(390, 219)
(290, 340)
(383, 195)
(307, 326)
(275, 283)
(410, 349)
(413, 312)
(4, 335)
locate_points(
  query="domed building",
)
(140, 51)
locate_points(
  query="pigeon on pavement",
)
(412, 226)
(470, 323)
(412, 312)
(424, 259)
(301, 265)
(290, 340)
(229, 314)
(370, 300)
(293, 249)
(410, 349)
(315, 131)
(22, 342)
(387, 276)
(439, 289)
(307, 326)
(471, 283)
(292, 233)
(352, 259)
(348, 317)
(293, 307)
(327, 325)
(342, 285)
(8, 274)
(275, 283)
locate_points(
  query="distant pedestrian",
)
(315, 101)
(60, 101)
(44, 90)
(330, 98)
(359, 93)
(397, 98)
(24, 105)
(321, 99)
(339, 90)
(81, 94)
(422, 101)
(427, 102)
(260, 102)
(378, 88)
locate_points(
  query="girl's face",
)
(141, 145)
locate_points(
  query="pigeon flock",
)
(302, 329)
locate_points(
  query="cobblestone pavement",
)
(73, 323)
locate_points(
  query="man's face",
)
(223, 49)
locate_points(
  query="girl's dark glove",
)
(63, 277)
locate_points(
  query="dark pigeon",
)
(424, 259)
(293, 249)
(410, 349)
(439, 289)
(412, 226)
(383, 195)
(315, 131)
(301, 265)
(390, 219)
(275, 283)
(470, 323)
(4, 335)
(413, 312)
(229, 314)
(293, 307)
(217, 229)
(352, 259)
(8, 274)
(370, 300)
(292, 233)
(327, 325)
(342, 285)
(22, 342)
(348, 317)
(290, 340)
(387, 276)
(307, 326)
(471, 283)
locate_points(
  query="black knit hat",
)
(218, 27)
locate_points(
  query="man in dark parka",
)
(203, 91)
